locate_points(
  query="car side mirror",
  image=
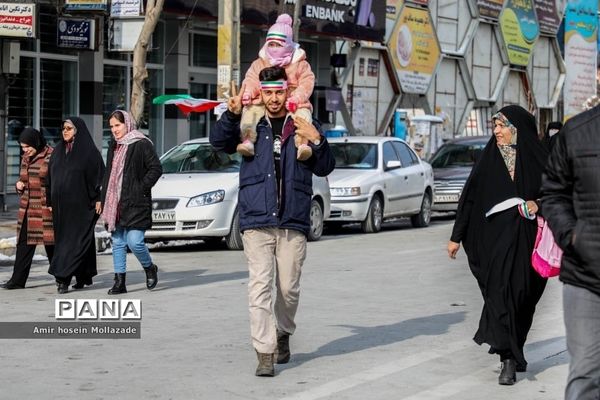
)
(393, 164)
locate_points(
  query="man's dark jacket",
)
(259, 204)
(142, 170)
(571, 199)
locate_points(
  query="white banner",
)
(17, 20)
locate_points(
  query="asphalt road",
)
(381, 316)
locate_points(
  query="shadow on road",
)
(363, 338)
(166, 280)
(550, 361)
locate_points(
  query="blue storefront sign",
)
(76, 33)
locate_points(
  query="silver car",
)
(452, 165)
(197, 197)
(377, 178)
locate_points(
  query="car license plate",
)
(163, 215)
(446, 198)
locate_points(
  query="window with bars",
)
(56, 92)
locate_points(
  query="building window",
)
(154, 114)
(202, 123)
(203, 50)
(116, 96)
(20, 115)
(57, 94)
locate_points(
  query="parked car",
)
(197, 197)
(452, 164)
(377, 178)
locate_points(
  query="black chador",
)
(76, 170)
(499, 247)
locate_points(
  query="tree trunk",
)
(140, 51)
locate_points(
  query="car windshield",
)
(457, 155)
(354, 155)
(199, 157)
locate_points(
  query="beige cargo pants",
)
(275, 257)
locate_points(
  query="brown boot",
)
(283, 348)
(265, 364)
(304, 152)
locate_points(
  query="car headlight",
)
(207, 198)
(345, 191)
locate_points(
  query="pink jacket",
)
(301, 79)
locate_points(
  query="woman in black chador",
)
(499, 246)
(76, 170)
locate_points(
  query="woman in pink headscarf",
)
(132, 169)
(279, 50)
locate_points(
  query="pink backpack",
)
(546, 255)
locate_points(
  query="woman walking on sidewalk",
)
(499, 244)
(35, 217)
(76, 171)
(132, 170)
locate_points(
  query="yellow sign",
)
(414, 49)
(520, 30)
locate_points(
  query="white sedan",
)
(197, 197)
(377, 178)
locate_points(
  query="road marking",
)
(465, 382)
(440, 392)
(375, 373)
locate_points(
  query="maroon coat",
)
(33, 199)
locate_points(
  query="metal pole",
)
(297, 9)
(228, 47)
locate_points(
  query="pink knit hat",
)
(281, 31)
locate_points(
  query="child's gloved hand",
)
(291, 104)
(246, 98)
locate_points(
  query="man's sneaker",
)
(283, 348)
(265, 364)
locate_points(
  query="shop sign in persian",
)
(85, 5)
(581, 31)
(490, 8)
(76, 33)
(125, 8)
(17, 20)
(520, 30)
(414, 49)
(353, 19)
(549, 13)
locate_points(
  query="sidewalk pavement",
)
(8, 223)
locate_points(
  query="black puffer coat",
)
(141, 172)
(571, 199)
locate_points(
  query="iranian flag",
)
(186, 103)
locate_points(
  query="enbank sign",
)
(98, 309)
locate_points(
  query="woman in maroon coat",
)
(35, 217)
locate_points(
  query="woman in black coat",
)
(76, 171)
(132, 170)
(499, 246)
